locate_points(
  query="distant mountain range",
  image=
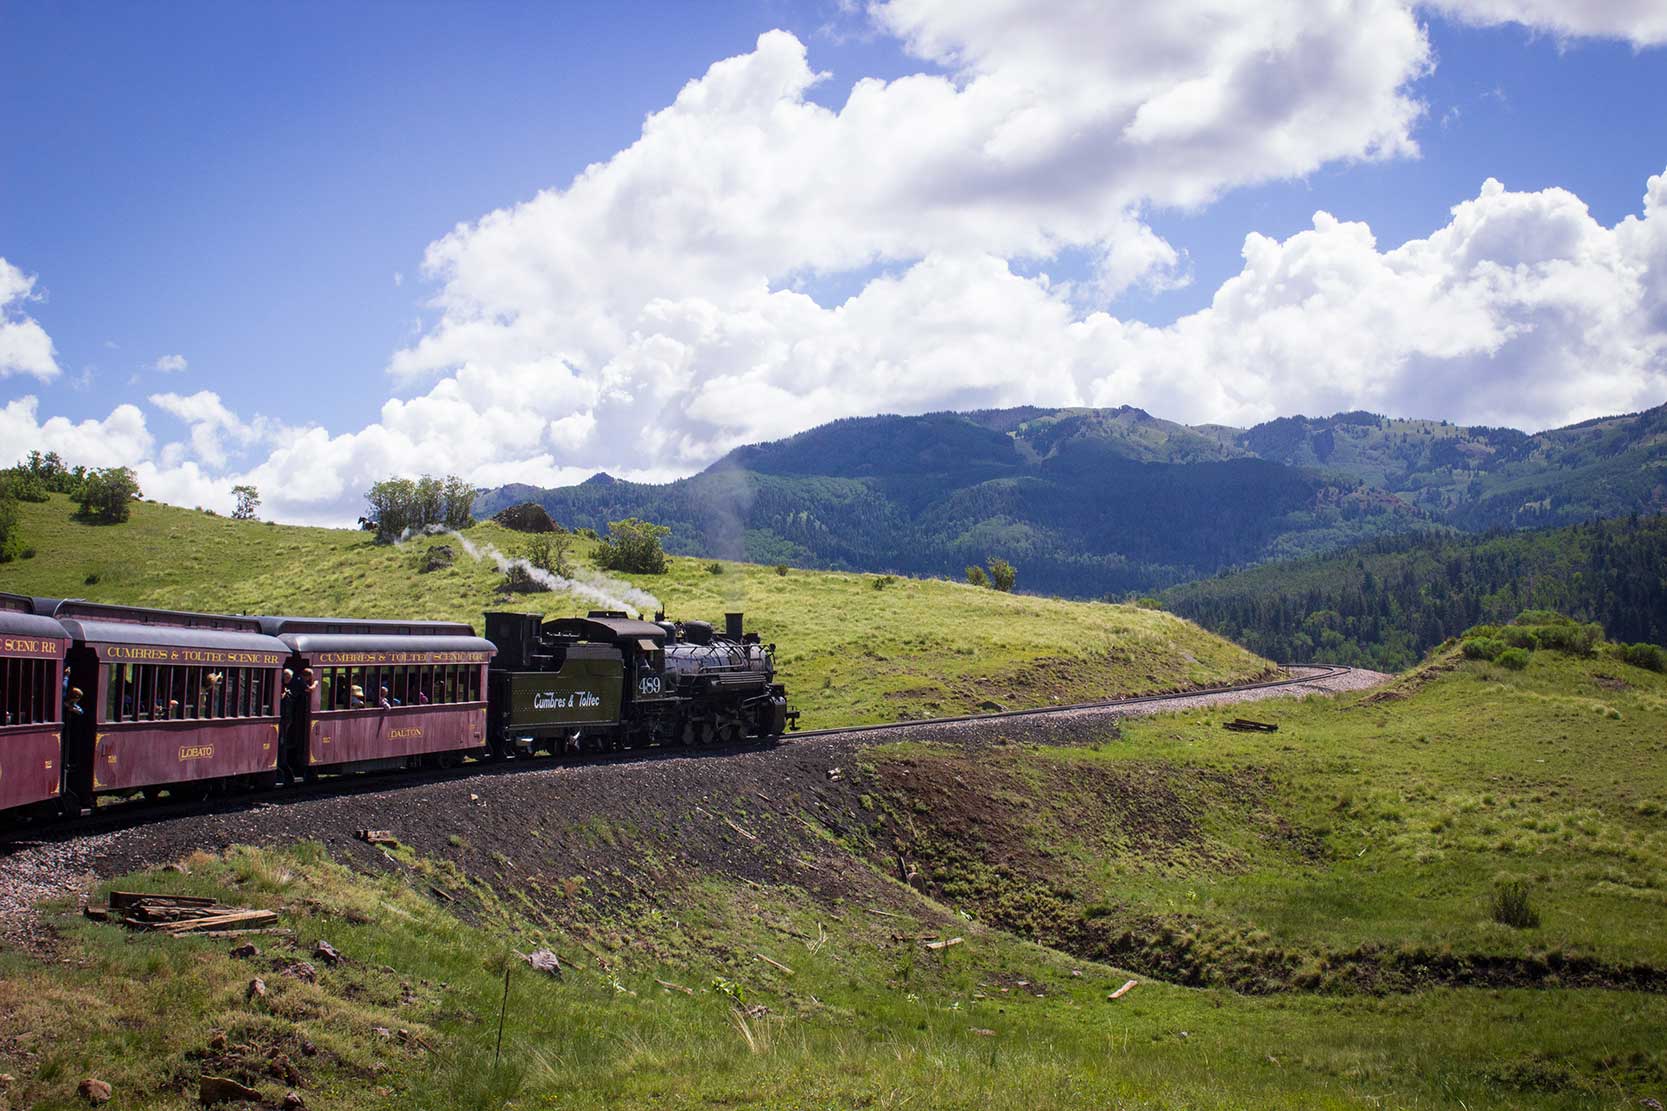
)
(1095, 502)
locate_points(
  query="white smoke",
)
(606, 591)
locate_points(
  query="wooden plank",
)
(243, 918)
(120, 900)
(1124, 990)
(773, 963)
(945, 944)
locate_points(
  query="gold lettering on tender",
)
(195, 752)
(405, 734)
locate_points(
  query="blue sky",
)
(239, 185)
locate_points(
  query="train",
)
(101, 701)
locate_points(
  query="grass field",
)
(1301, 867)
(849, 652)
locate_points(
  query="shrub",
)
(781, 569)
(1480, 631)
(91, 579)
(1003, 575)
(1567, 636)
(1514, 658)
(520, 580)
(714, 568)
(1483, 648)
(976, 576)
(633, 545)
(107, 495)
(882, 581)
(1647, 656)
(548, 551)
(1511, 906)
(1519, 637)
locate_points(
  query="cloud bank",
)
(658, 310)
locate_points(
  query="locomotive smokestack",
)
(732, 626)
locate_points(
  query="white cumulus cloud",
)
(170, 364)
(25, 348)
(1641, 22)
(650, 314)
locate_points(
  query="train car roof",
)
(276, 626)
(609, 629)
(104, 613)
(18, 618)
(307, 643)
(90, 631)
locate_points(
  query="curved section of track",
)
(1319, 671)
(127, 814)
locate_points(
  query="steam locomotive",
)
(606, 681)
(99, 700)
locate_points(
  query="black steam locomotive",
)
(606, 681)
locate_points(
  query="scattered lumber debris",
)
(376, 836)
(1124, 990)
(773, 963)
(946, 943)
(742, 832)
(1245, 725)
(181, 914)
(674, 987)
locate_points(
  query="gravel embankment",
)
(657, 793)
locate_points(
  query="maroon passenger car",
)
(382, 693)
(31, 701)
(173, 700)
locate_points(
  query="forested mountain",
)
(1385, 602)
(1089, 502)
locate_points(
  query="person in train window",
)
(73, 705)
(357, 698)
(387, 701)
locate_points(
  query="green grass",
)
(1380, 825)
(848, 652)
(861, 1020)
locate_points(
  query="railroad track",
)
(133, 812)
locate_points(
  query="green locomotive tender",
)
(607, 681)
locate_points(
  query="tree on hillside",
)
(976, 575)
(248, 500)
(633, 545)
(107, 495)
(549, 551)
(1002, 574)
(399, 505)
(458, 498)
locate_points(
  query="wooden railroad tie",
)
(1245, 725)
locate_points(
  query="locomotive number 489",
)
(648, 684)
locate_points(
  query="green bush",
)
(1483, 648)
(1511, 906)
(1003, 575)
(1567, 636)
(781, 569)
(108, 494)
(883, 581)
(1514, 658)
(714, 568)
(1519, 637)
(633, 545)
(1647, 656)
(976, 576)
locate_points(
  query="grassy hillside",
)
(1320, 902)
(849, 652)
